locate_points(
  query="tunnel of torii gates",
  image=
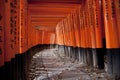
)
(87, 31)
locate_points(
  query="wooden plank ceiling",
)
(47, 13)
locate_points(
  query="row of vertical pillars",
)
(113, 64)
(19, 67)
(91, 57)
(101, 58)
(13, 70)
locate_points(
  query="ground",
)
(49, 65)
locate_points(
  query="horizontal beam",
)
(48, 16)
(46, 21)
(44, 24)
(35, 12)
(55, 1)
(52, 11)
(56, 8)
(53, 5)
(45, 18)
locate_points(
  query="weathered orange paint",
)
(12, 30)
(88, 23)
(61, 35)
(68, 31)
(30, 30)
(38, 37)
(63, 32)
(16, 37)
(8, 49)
(64, 24)
(23, 26)
(117, 16)
(98, 24)
(72, 33)
(80, 27)
(76, 28)
(85, 29)
(2, 18)
(82, 36)
(92, 25)
(110, 26)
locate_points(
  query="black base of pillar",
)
(89, 56)
(13, 71)
(66, 51)
(76, 54)
(7, 71)
(113, 63)
(100, 58)
(2, 73)
(79, 55)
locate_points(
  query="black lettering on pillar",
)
(12, 46)
(91, 13)
(6, 1)
(106, 6)
(0, 17)
(13, 22)
(11, 4)
(0, 51)
(96, 16)
(0, 33)
(0, 38)
(0, 28)
(15, 2)
(113, 8)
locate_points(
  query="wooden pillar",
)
(2, 27)
(112, 39)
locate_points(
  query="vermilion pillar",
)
(2, 27)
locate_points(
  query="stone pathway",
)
(48, 65)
